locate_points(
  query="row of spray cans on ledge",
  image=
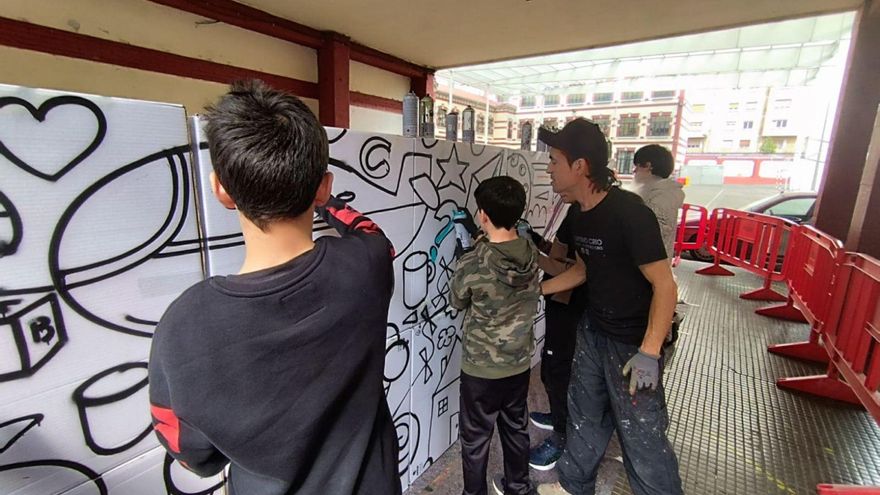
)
(418, 119)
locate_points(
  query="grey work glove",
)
(644, 371)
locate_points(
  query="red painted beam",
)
(384, 61)
(376, 102)
(243, 16)
(423, 85)
(29, 36)
(334, 62)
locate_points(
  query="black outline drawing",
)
(172, 489)
(57, 331)
(338, 137)
(147, 250)
(40, 114)
(84, 470)
(8, 248)
(82, 402)
(31, 419)
(456, 173)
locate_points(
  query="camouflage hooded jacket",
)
(497, 284)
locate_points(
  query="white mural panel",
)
(398, 373)
(98, 235)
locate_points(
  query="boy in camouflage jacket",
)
(498, 287)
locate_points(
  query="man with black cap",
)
(631, 295)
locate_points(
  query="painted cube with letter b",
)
(34, 335)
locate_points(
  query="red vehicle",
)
(794, 206)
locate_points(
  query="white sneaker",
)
(552, 489)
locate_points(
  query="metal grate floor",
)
(733, 430)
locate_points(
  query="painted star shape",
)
(452, 171)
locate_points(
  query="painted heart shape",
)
(52, 172)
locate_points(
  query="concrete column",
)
(863, 236)
(851, 132)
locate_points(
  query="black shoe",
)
(542, 420)
(544, 456)
(498, 484)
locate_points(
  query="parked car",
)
(797, 207)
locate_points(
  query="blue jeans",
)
(599, 403)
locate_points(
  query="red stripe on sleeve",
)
(167, 425)
(345, 215)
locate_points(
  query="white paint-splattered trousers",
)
(599, 403)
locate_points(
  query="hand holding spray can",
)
(459, 216)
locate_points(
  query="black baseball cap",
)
(580, 138)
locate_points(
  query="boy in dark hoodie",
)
(277, 370)
(497, 284)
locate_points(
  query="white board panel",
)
(98, 236)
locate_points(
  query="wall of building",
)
(149, 25)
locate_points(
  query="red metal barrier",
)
(851, 336)
(811, 262)
(686, 224)
(826, 489)
(751, 241)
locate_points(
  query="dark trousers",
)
(599, 403)
(559, 343)
(483, 403)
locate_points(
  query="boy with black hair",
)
(277, 370)
(664, 196)
(497, 286)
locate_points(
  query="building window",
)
(604, 123)
(551, 123)
(782, 104)
(625, 161)
(734, 105)
(520, 127)
(603, 97)
(745, 143)
(509, 129)
(575, 99)
(698, 108)
(697, 124)
(780, 123)
(551, 100)
(628, 126)
(632, 96)
(491, 126)
(441, 117)
(662, 95)
(727, 143)
(481, 123)
(751, 105)
(527, 101)
(748, 124)
(730, 124)
(659, 125)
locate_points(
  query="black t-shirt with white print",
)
(614, 238)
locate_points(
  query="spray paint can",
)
(452, 125)
(526, 141)
(426, 117)
(522, 228)
(458, 216)
(467, 125)
(410, 115)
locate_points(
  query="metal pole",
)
(451, 86)
(486, 119)
(819, 159)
